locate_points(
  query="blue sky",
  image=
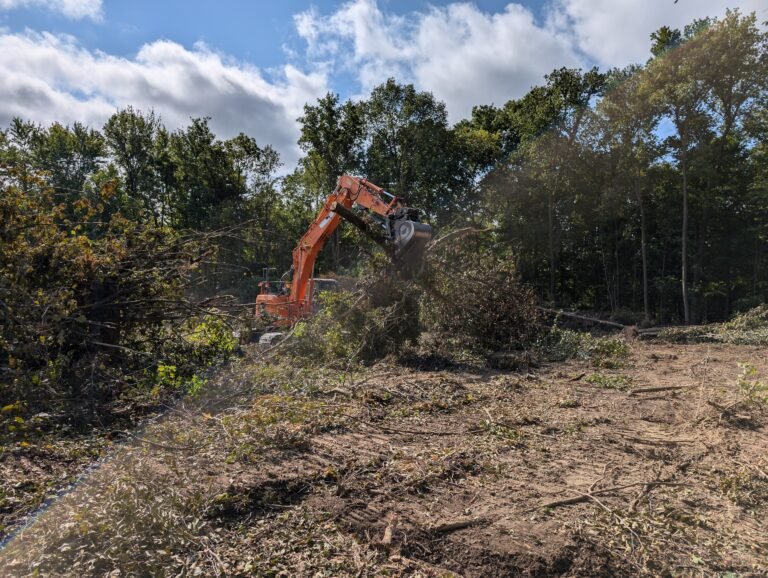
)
(252, 65)
(254, 30)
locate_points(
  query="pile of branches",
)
(468, 299)
(92, 304)
(748, 328)
(473, 300)
(375, 320)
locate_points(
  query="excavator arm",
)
(390, 223)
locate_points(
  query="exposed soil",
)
(658, 467)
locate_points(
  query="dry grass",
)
(283, 471)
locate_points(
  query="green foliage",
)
(753, 390)
(196, 385)
(211, 338)
(562, 344)
(753, 320)
(89, 301)
(620, 382)
(353, 327)
(166, 377)
(748, 328)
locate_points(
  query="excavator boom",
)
(389, 222)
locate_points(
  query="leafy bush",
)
(92, 304)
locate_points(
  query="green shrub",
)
(92, 305)
(752, 389)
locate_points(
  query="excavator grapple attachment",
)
(410, 240)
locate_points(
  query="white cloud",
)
(75, 9)
(461, 54)
(467, 57)
(50, 78)
(476, 58)
(617, 32)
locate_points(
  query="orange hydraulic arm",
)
(400, 228)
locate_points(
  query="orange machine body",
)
(296, 301)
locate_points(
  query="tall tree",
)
(130, 135)
(411, 150)
(332, 136)
(19, 151)
(565, 101)
(207, 178)
(68, 156)
(675, 85)
(629, 125)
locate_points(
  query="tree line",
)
(641, 192)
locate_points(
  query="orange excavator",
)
(379, 214)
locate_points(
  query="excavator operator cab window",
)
(272, 287)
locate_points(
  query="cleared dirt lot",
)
(656, 464)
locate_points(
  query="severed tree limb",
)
(590, 495)
(412, 432)
(659, 388)
(581, 317)
(456, 233)
(657, 442)
(458, 525)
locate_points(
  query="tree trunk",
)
(551, 233)
(643, 252)
(608, 289)
(756, 268)
(662, 293)
(618, 267)
(335, 249)
(699, 298)
(684, 260)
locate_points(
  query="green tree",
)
(68, 156)
(130, 136)
(629, 123)
(207, 180)
(19, 151)
(562, 105)
(674, 84)
(411, 150)
(332, 136)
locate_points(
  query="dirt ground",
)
(655, 464)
